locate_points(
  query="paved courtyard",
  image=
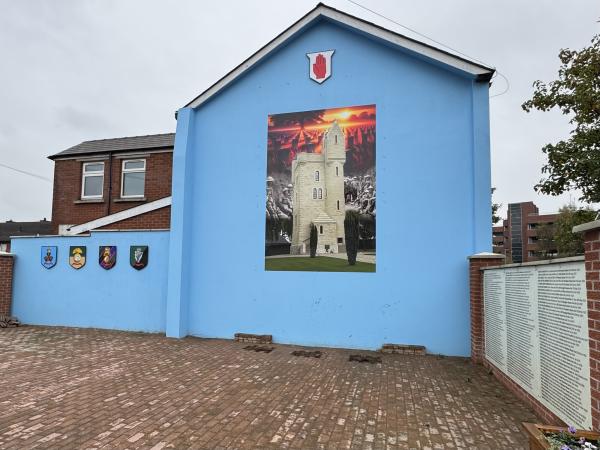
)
(83, 388)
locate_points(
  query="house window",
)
(321, 229)
(92, 180)
(314, 193)
(317, 175)
(320, 193)
(133, 178)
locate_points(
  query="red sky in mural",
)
(290, 133)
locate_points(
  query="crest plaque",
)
(108, 256)
(77, 256)
(48, 256)
(138, 256)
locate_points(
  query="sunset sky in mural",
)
(347, 117)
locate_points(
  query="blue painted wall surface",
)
(433, 202)
(121, 298)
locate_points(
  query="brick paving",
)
(85, 388)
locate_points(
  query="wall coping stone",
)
(7, 254)
(586, 226)
(539, 263)
(486, 255)
(89, 233)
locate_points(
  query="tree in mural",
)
(352, 232)
(314, 238)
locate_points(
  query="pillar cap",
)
(588, 226)
(487, 255)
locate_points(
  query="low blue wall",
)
(120, 298)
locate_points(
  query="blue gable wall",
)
(433, 192)
(121, 298)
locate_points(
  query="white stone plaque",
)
(564, 342)
(536, 332)
(495, 317)
(522, 355)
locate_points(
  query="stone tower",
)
(318, 183)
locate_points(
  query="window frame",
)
(85, 175)
(125, 171)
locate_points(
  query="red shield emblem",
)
(319, 65)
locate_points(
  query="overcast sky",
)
(80, 70)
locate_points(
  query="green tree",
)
(352, 230)
(573, 163)
(546, 247)
(567, 242)
(314, 238)
(495, 208)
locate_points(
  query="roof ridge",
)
(481, 72)
(127, 137)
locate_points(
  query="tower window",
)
(338, 205)
(321, 229)
(317, 175)
(320, 193)
(314, 193)
(335, 138)
(337, 171)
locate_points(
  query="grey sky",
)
(80, 70)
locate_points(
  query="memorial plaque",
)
(564, 342)
(536, 332)
(522, 355)
(495, 317)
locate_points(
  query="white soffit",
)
(117, 217)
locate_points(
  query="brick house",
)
(122, 183)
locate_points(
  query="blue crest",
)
(48, 256)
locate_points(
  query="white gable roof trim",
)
(117, 217)
(479, 71)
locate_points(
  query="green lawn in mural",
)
(318, 264)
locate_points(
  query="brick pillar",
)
(591, 235)
(476, 263)
(6, 277)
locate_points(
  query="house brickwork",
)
(69, 209)
(6, 277)
(592, 272)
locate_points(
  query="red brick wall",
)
(476, 299)
(157, 219)
(478, 337)
(67, 191)
(592, 268)
(6, 276)
(592, 273)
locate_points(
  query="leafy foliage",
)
(352, 232)
(567, 242)
(573, 163)
(546, 247)
(495, 207)
(314, 238)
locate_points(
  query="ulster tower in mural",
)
(318, 186)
